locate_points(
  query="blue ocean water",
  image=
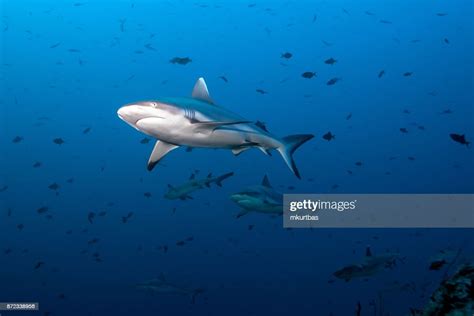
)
(404, 83)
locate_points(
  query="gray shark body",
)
(161, 286)
(183, 191)
(369, 266)
(260, 199)
(199, 122)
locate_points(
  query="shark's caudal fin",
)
(288, 146)
(222, 178)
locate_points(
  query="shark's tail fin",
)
(223, 177)
(288, 146)
(195, 293)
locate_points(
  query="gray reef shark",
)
(370, 266)
(182, 192)
(259, 198)
(161, 286)
(199, 122)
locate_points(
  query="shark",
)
(197, 121)
(369, 266)
(161, 286)
(183, 191)
(259, 198)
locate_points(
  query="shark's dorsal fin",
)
(266, 182)
(368, 252)
(200, 91)
(159, 151)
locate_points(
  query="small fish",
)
(403, 130)
(250, 227)
(87, 130)
(127, 217)
(17, 139)
(20, 226)
(437, 265)
(55, 45)
(149, 47)
(349, 116)
(446, 41)
(286, 55)
(191, 238)
(332, 81)
(330, 61)
(58, 141)
(39, 264)
(441, 14)
(90, 217)
(70, 180)
(328, 136)
(181, 60)
(369, 13)
(4, 188)
(407, 74)
(315, 17)
(411, 158)
(385, 22)
(223, 79)
(42, 210)
(145, 140)
(37, 164)
(261, 91)
(54, 186)
(180, 243)
(459, 139)
(73, 50)
(102, 213)
(308, 74)
(381, 73)
(147, 194)
(122, 25)
(448, 111)
(358, 163)
(93, 241)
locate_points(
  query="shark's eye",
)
(154, 104)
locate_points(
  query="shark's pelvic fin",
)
(200, 91)
(266, 182)
(159, 151)
(238, 150)
(288, 146)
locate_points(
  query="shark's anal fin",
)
(159, 151)
(200, 91)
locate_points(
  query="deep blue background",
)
(52, 92)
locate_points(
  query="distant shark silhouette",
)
(198, 122)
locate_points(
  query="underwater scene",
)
(146, 147)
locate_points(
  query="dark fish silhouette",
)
(42, 210)
(446, 41)
(147, 194)
(4, 188)
(55, 45)
(127, 217)
(381, 73)
(459, 139)
(223, 79)
(385, 22)
(58, 141)
(328, 136)
(358, 163)
(441, 14)
(332, 81)
(286, 55)
(407, 74)
(330, 61)
(37, 164)
(149, 47)
(54, 186)
(17, 139)
(20, 226)
(181, 60)
(261, 91)
(308, 74)
(87, 130)
(39, 264)
(122, 25)
(145, 140)
(349, 116)
(90, 217)
(403, 130)
(73, 50)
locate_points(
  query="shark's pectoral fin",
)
(200, 91)
(242, 213)
(159, 151)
